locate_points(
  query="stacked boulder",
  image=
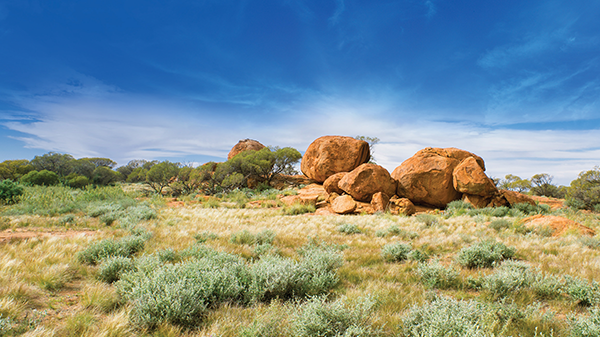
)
(353, 185)
(433, 177)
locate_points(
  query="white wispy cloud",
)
(87, 118)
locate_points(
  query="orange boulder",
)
(343, 204)
(366, 180)
(329, 155)
(331, 184)
(245, 145)
(469, 178)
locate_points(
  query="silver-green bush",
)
(125, 247)
(181, 294)
(111, 268)
(436, 275)
(445, 317)
(484, 254)
(317, 317)
(584, 292)
(395, 252)
(585, 326)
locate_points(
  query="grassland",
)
(97, 259)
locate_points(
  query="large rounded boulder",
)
(245, 145)
(469, 178)
(427, 177)
(329, 155)
(366, 180)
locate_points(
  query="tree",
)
(83, 167)
(75, 180)
(284, 161)
(542, 185)
(104, 176)
(54, 162)
(127, 170)
(584, 191)
(43, 177)
(161, 175)
(97, 162)
(10, 191)
(372, 142)
(14, 169)
(515, 183)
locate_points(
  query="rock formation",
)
(331, 183)
(366, 180)
(329, 155)
(245, 145)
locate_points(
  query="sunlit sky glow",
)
(516, 82)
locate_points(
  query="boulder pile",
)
(433, 177)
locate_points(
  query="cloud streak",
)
(106, 122)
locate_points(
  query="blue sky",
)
(517, 82)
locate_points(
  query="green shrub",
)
(584, 292)
(548, 286)
(10, 191)
(418, 255)
(125, 247)
(205, 236)
(181, 294)
(404, 234)
(445, 317)
(349, 229)
(395, 252)
(266, 236)
(168, 255)
(243, 237)
(458, 207)
(584, 192)
(585, 326)
(44, 177)
(297, 209)
(317, 317)
(500, 224)
(435, 275)
(484, 254)
(427, 219)
(111, 268)
(529, 209)
(510, 277)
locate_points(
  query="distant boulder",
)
(245, 145)
(329, 155)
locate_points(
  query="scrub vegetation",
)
(113, 261)
(83, 254)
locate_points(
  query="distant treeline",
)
(249, 167)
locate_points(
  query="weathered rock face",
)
(331, 183)
(427, 177)
(329, 155)
(469, 178)
(244, 145)
(380, 202)
(453, 153)
(366, 180)
(401, 206)
(517, 198)
(343, 204)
